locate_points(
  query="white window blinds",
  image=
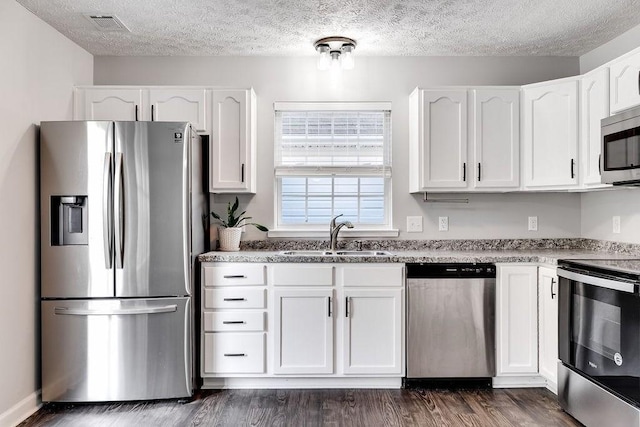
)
(330, 159)
(333, 142)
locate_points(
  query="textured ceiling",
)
(381, 27)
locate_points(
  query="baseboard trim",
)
(524, 381)
(21, 410)
(309, 383)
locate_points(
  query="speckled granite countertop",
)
(545, 251)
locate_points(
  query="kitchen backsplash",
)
(450, 245)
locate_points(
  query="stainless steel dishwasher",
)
(451, 321)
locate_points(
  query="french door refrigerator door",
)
(76, 171)
(152, 209)
(108, 350)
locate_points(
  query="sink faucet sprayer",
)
(334, 229)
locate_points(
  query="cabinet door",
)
(444, 139)
(625, 83)
(594, 90)
(548, 311)
(113, 104)
(232, 140)
(303, 336)
(373, 331)
(551, 134)
(517, 320)
(180, 105)
(496, 138)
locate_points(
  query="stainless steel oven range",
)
(599, 341)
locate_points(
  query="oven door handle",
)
(598, 281)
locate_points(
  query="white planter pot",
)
(229, 238)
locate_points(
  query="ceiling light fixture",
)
(335, 52)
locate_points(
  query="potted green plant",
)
(230, 230)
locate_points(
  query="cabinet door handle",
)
(153, 116)
(136, 112)
(235, 276)
(346, 306)
(600, 164)
(329, 307)
(479, 171)
(553, 282)
(464, 171)
(235, 299)
(573, 162)
(234, 355)
(639, 82)
(233, 322)
(242, 173)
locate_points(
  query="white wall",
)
(374, 79)
(610, 50)
(38, 70)
(598, 208)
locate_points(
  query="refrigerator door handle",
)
(65, 311)
(107, 226)
(186, 214)
(119, 212)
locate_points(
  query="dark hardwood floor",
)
(412, 407)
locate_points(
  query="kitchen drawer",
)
(233, 353)
(301, 275)
(371, 275)
(234, 298)
(233, 274)
(233, 321)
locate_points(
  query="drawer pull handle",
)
(234, 355)
(235, 299)
(235, 276)
(233, 322)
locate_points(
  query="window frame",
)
(321, 230)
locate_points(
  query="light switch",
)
(414, 224)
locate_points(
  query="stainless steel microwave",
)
(620, 143)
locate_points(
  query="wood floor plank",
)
(332, 408)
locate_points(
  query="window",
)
(331, 159)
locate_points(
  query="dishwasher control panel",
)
(453, 270)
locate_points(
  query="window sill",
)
(324, 234)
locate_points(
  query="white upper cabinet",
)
(180, 105)
(465, 139)
(438, 139)
(594, 97)
(233, 142)
(144, 104)
(625, 82)
(108, 104)
(550, 134)
(495, 138)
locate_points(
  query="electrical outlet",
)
(414, 224)
(616, 224)
(533, 223)
(443, 223)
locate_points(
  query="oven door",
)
(599, 331)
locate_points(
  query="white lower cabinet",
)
(516, 320)
(302, 324)
(372, 331)
(548, 315)
(303, 333)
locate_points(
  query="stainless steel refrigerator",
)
(121, 206)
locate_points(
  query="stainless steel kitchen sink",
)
(336, 253)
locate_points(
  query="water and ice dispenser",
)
(69, 220)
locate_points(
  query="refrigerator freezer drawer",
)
(234, 298)
(109, 349)
(234, 353)
(233, 321)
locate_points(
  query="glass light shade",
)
(347, 57)
(324, 60)
(335, 59)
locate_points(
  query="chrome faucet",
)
(334, 229)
